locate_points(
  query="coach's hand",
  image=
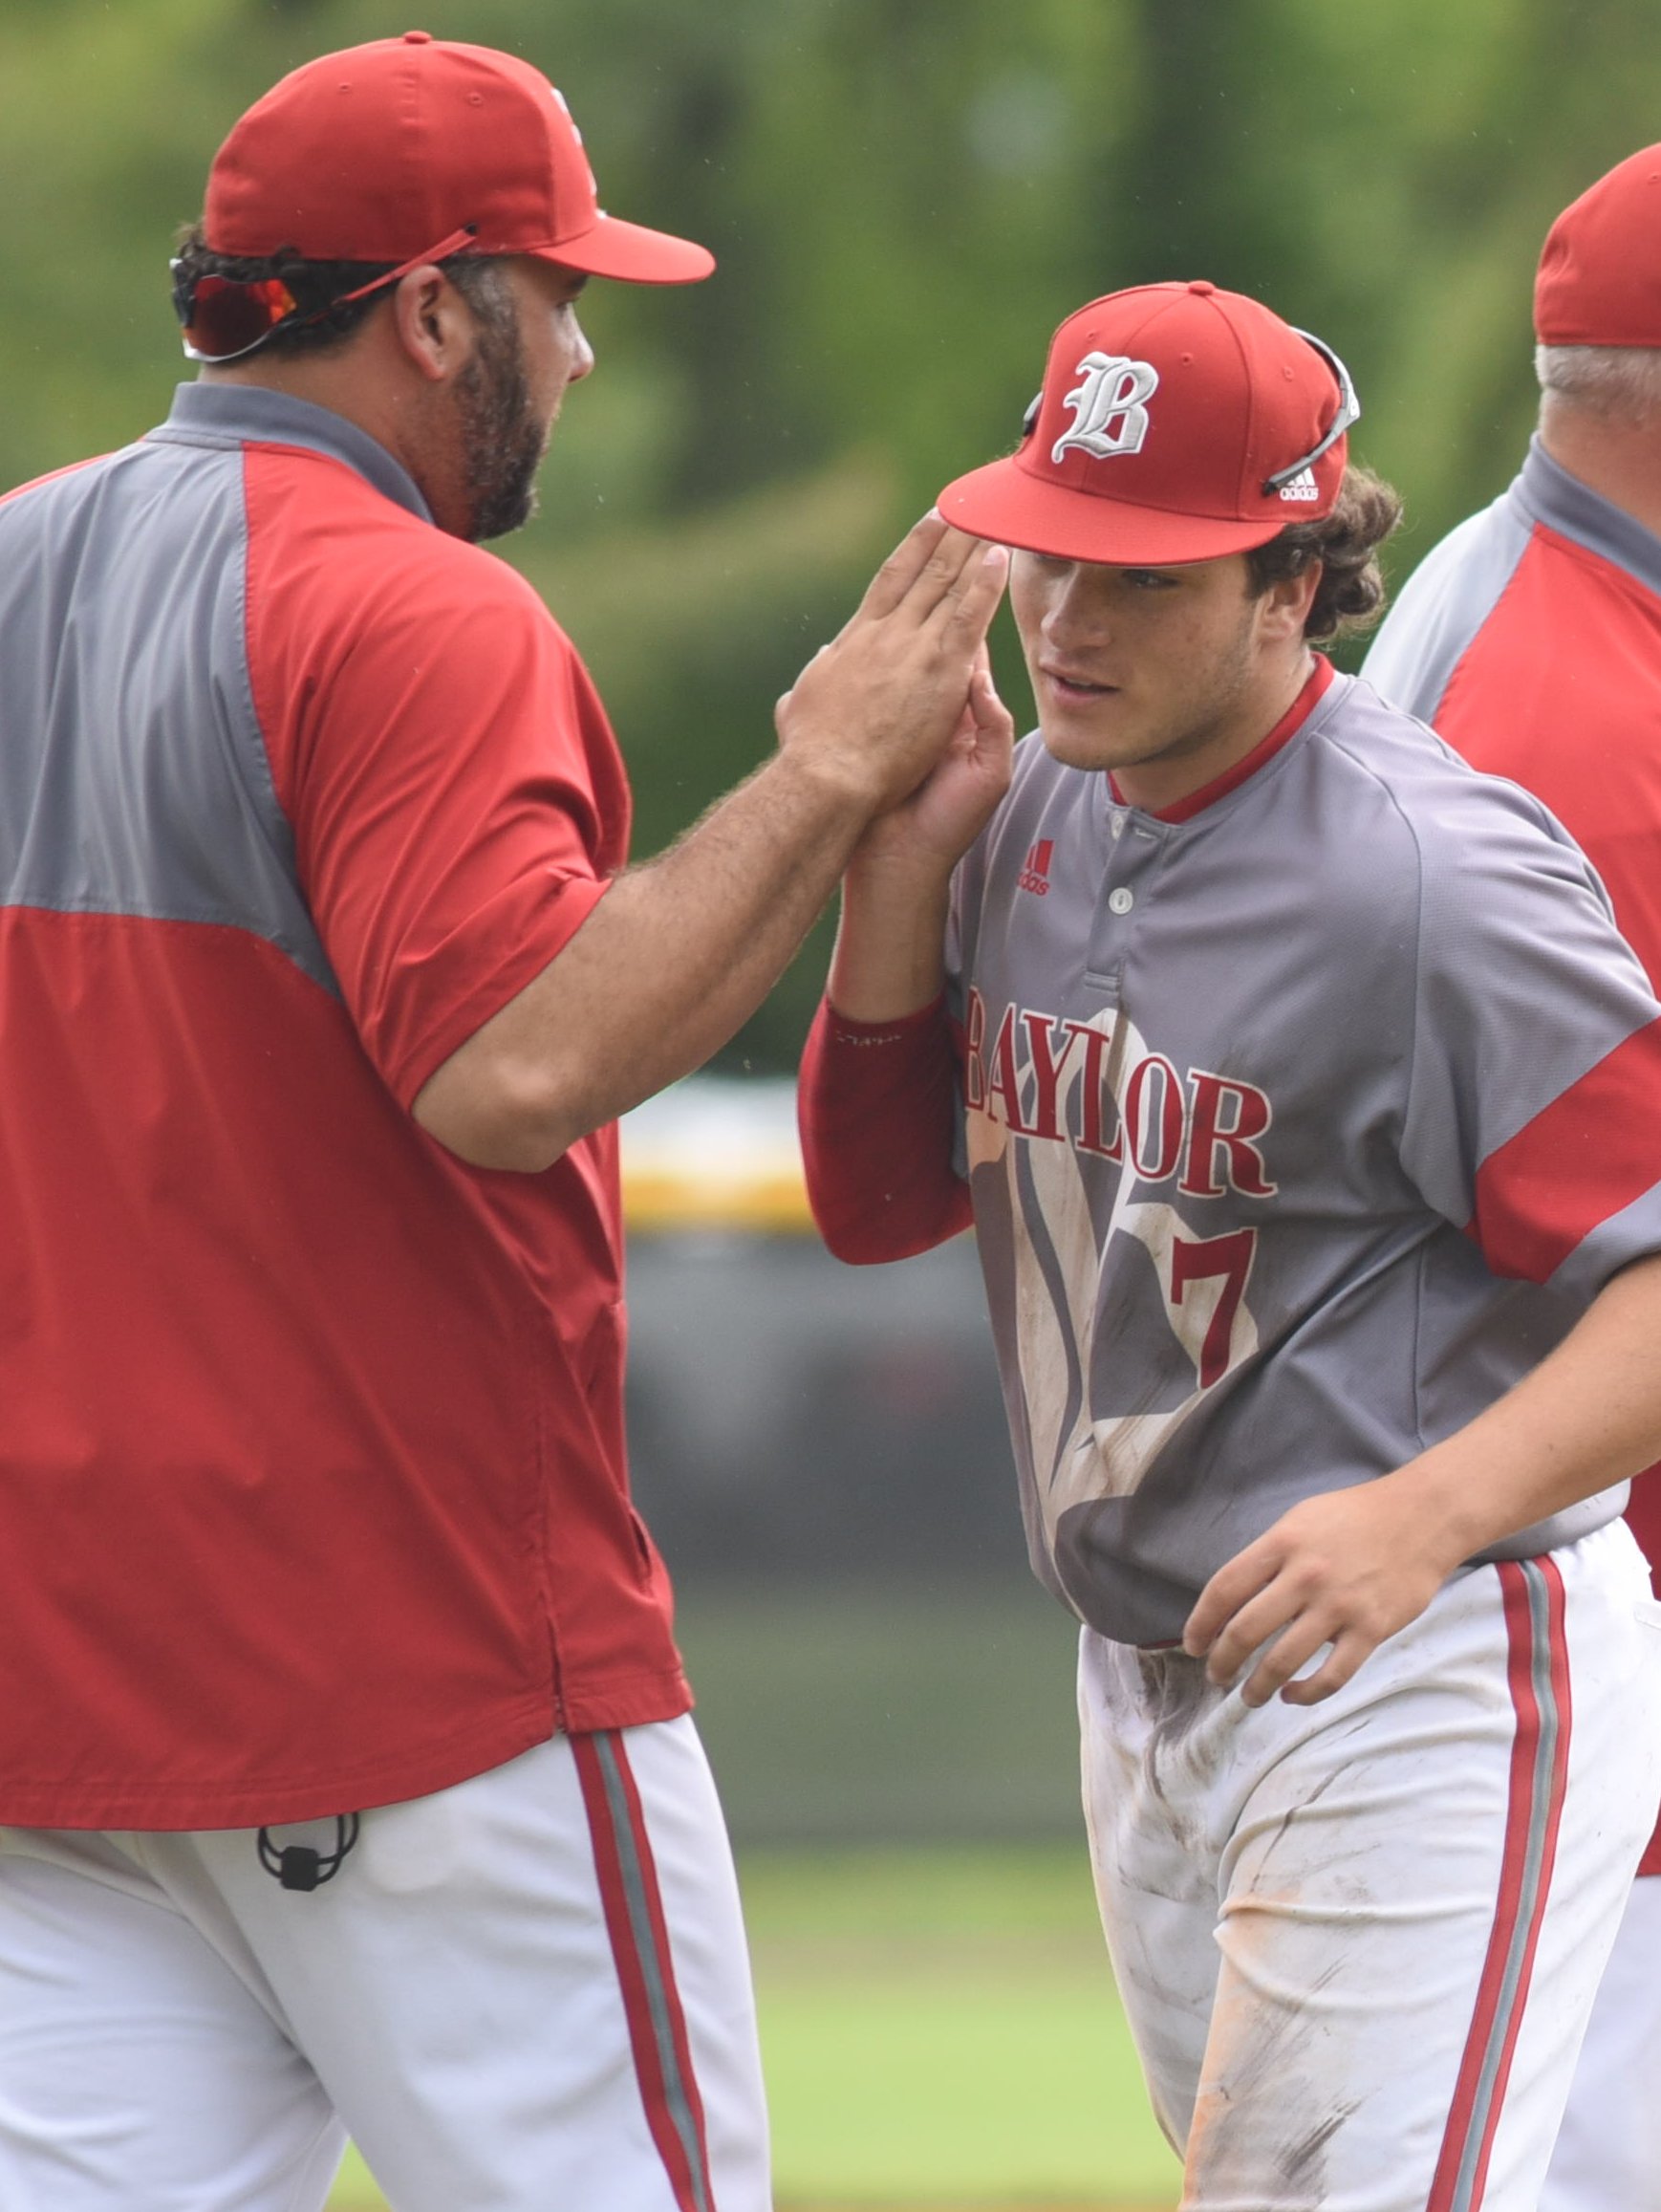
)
(1346, 1568)
(875, 709)
(931, 830)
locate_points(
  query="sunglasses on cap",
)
(1348, 414)
(225, 318)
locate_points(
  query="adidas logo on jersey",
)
(1034, 872)
(1302, 486)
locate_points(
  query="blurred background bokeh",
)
(905, 197)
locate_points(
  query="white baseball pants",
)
(1358, 1943)
(531, 1991)
(1608, 2152)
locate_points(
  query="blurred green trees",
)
(905, 197)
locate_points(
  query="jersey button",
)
(1121, 900)
(1117, 825)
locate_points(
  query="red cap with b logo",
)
(1177, 422)
(416, 148)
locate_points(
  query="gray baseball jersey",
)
(1299, 1124)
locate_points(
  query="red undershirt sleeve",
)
(878, 1105)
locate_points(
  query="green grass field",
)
(940, 2029)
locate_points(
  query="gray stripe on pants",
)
(655, 1970)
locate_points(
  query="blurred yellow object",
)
(764, 1201)
(716, 1155)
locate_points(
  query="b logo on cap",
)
(1115, 389)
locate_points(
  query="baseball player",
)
(1301, 1093)
(347, 1770)
(1531, 638)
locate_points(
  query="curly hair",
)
(1345, 544)
(327, 318)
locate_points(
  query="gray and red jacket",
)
(312, 1480)
(1299, 1123)
(1531, 639)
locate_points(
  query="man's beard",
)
(503, 440)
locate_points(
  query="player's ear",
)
(434, 326)
(1284, 608)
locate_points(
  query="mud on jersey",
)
(1298, 1129)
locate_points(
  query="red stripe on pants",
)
(692, 2189)
(1530, 1810)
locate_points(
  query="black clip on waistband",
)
(300, 1866)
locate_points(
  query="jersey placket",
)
(1135, 847)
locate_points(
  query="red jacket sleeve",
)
(877, 1105)
(458, 803)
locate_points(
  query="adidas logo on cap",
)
(1302, 486)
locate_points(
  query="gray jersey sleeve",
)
(1531, 1114)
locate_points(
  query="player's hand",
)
(1348, 1569)
(936, 825)
(875, 709)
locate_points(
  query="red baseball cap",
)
(415, 147)
(1177, 422)
(1599, 282)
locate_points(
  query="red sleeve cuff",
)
(878, 1110)
(842, 1029)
